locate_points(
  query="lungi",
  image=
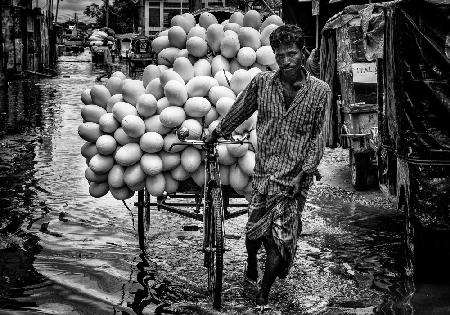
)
(277, 216)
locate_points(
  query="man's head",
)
(286, 35)
(287, 42)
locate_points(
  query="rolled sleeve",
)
(244, 106)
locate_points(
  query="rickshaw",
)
(209, 204)
(349, 66)
(409, 41)
(140, 54)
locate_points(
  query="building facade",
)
(24, 38)
(157, 14)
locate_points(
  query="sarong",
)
(277, 216)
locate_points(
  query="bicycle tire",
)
(216, 242)
(143, 218)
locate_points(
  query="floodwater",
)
(64, 252)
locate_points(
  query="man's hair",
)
(287, 35)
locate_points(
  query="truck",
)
(397, 121)
(414, 114)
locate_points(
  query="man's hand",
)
(212, 137)
(296, 183)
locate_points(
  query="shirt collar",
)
(297, 84)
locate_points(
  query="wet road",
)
(64, 252)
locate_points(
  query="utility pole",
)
(50, 14)
(106, 13)
(76, 24)
(56, 15)
(141, 17)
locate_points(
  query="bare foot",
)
(262, 298)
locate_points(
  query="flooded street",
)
(65, 252)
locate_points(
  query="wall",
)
(24, 39)
(166, 10)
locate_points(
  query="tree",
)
(123, 15)
(94, 11)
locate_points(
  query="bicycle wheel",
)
(216, 247)
(143, 218)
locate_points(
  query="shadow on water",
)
(20, 122)
(370, 246)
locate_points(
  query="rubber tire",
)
(143, 218)
(215, 268)
(359, 166)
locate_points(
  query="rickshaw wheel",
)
(143, 218)
(359, 165)
(216, 246)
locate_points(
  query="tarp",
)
(371, 19)
(416, 73)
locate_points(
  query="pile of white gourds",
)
(129, 125)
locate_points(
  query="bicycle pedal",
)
(188, 227)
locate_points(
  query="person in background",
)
(312, 63)
(291, 104)
(107, 60)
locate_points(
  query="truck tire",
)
(359, 165)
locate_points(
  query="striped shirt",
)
(289, 140)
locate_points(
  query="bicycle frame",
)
(212, 180)
(213, 217)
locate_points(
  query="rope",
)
(131, 213)
(416, 160)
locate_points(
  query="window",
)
(172, 8)
(154, 16)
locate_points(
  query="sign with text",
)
(364, 72)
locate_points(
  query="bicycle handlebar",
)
(183, 133)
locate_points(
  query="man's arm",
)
(315, 152)
(244, 106)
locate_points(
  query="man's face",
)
(289, 58)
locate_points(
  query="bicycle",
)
(215, 212)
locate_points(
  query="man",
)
(291, 105)
(107, 60)
(312, 64)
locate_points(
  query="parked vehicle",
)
(124, 44)
(409, 42)
(140, 54)
(414, 115)
(350, 68)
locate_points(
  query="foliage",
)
(123, 15)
